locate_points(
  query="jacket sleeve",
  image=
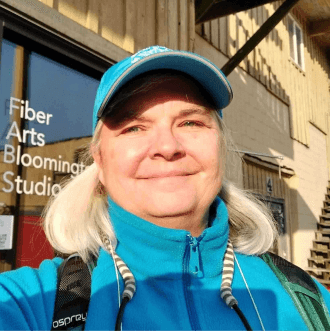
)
(27, 297)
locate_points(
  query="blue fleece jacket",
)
(177, 287)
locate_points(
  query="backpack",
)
(74, 291)
(302, 290)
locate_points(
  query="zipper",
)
(192, 269)
(194, 263)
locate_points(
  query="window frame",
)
(31, 32)
(296, 26)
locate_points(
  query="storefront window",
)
(45, 118)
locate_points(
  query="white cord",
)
(255, 306)
(116, 270)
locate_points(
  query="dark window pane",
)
(66, 96)
(58, 109)
(6, 86)
(299, 45)
(291, 36)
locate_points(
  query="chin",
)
(172, 206)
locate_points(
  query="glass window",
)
(64, 95)
(299, 46)
(291, 37)
(7, 89)
(296, 43)
(6, 86)
(45, 118)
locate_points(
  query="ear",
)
(96, 154)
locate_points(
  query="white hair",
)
(75, 219)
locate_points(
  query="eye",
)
(132, 129)
(192, 124)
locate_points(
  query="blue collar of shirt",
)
(153, 251)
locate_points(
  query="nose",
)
(166, 145)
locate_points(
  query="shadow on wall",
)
(264, 65)
(263, 15)
(256, 118)
(296, 216)
(305, 230)
(259, 122)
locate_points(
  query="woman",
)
(155, 206)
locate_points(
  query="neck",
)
(195, 224)
(155, 251)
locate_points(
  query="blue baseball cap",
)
(157, 57)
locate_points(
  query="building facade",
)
(53, 54)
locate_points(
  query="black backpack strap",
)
(303, 291)
(74, 279)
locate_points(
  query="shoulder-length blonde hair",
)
(75, 219)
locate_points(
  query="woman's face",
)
(167, 161)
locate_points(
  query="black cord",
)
(126, 300)
(242, 317)
(121, 313)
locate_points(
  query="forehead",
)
(151, 90)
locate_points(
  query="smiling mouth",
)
(167, 176)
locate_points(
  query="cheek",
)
(215, 163)
(220, 155)
(122, 160)
(209, 150)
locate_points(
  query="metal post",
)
(258, 36)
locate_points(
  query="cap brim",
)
(199, 68)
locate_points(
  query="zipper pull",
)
(194, 264)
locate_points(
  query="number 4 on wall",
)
(269, 185)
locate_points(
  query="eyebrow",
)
(182, 113)
(193, 111)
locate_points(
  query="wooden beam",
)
(207, 10)
(320, 27)
(202, 7)
(258, 36)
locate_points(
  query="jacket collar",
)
(153, 251)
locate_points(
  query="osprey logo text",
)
(67, 320)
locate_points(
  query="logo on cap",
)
(147, 52)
